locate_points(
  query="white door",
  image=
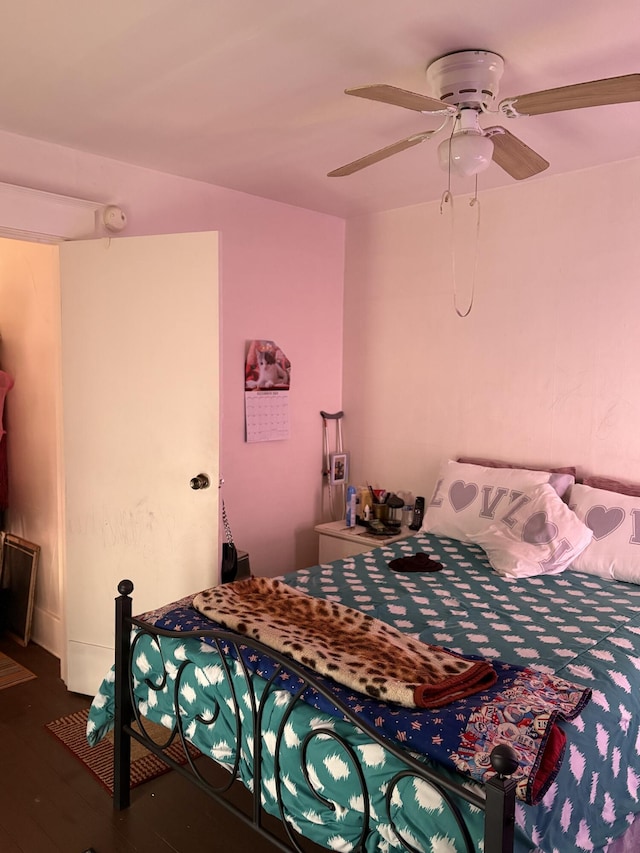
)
(140, 419)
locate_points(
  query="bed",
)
(358, 788)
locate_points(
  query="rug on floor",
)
(12, 673)
(71, 731)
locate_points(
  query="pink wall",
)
(281, 278)
(543, 370)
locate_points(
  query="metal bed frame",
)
(498, 804)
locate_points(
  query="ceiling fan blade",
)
(400, 98)
(597, 93)
(381, 154)
(512, 155)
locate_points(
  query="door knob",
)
(202, 481)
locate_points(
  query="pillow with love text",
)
(540, 535)
(615, 521)
(468, 498)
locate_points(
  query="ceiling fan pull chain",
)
(475, 202)
(447, 198)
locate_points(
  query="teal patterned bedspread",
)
(584, 629)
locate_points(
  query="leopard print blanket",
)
(354, 649)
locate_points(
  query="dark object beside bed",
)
(232, 650)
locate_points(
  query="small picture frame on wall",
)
(338, 468)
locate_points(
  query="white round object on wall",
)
(114, 218)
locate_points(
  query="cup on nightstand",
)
(380, 511)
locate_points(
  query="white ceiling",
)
(249, 94)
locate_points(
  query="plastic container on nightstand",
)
(407, 509)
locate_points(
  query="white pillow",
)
(468, 498)
(615, 521)
(540, 536)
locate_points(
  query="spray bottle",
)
(351, 507)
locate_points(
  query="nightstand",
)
(336, 540)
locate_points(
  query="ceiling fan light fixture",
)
(467, 152)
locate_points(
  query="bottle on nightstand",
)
(350, 517)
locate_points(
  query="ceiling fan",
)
(466, 86)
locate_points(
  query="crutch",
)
(337, 417)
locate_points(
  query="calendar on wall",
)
(267, 378)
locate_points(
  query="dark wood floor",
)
(50, 803)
